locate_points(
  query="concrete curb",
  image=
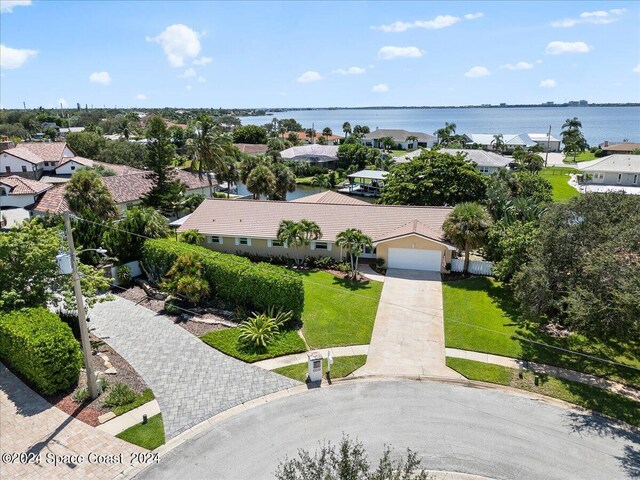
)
(295, 358)
(131, 418)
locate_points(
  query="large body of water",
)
(599, 123)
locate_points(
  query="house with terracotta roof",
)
(70, 165)
(19, 192)
(405, 237)
(33, 159)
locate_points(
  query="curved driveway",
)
(452, 427)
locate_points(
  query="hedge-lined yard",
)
(39, 346)
(234, 279)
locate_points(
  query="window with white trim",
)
(243, 241)
(276, 244)
(321, 246)
(214, 239)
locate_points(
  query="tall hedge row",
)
(38, 345)
(231, 278)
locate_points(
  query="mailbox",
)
(314, 366)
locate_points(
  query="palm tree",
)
(446, 133)
(387, 143)
(346, 128)
(230, 173)
(321, 181)
(466, 227)
(261, 181)
(285, 181)
(85, 193)
(298, 234)
(326, 131)
(311, 134)
(354, 242)
(412, 138)
(572, 124)
(209, 149)
(498, 143)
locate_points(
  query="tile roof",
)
(332, 198)
(412, 227)
(87, 162)
(45, 151)
(260, 219)
(52, 201)
(24, 186)
(616, 163)
(482, 158)
(398, 134)
(193, 180)
(252, 149)
(508, 139)
(24, 154)
(623, 147)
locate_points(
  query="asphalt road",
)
(453, 428)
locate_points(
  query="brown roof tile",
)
(260, 219)
(46, 151)
(52, 201)
(331, 197)
(24, 186)
(251, 148)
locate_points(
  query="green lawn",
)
(338, 311)
(583, 157)
(141, 399)
(481, 315)
(227, 342)
(149, 435)
(342, 366)
(559, 179)
(586, 396)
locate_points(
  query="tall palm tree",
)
(261, 182)
(498, 143)
(297, 235)
(413, 138)
(466, 227)
(346, 128)
(354, 242)
(326, 131)
(285, 181)
(208, 148)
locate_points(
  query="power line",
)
(514, 336)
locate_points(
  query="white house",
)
(33, 159)
(18, 192)
(400, 138)
(512, 140)
(614, 170)
(314, 154)
(486, 162)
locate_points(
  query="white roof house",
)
(512, 140)
(314, 154)
(614, 170)
(487, 162)
(399, 136)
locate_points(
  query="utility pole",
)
(546, 157)
(82, 320)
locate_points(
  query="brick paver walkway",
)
(190, 380)
(32, 426)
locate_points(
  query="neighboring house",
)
(18, 192)
(399, 137)
(70, 165)
(304, 140)
(127, 190)
(486, 162)
(252, 148)
(33, 159)
(330, 197)
(405, 237)
(614, 170)
(626, 147)
(64, 131)
(316, 155)
(525, 140)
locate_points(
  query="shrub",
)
(233, 279)
(192, 237)
(124, 275)
(185, 279)
(344, 267)
(119, 394)
(324, 262)
(38, 345)
(258, 331)
(81, 395)
(379, 262)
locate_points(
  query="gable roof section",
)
(616, 163)
(331, 198)
(482, 158)
(133, 186)
(251, 148)
(47, 151)
(24, 154)
(623, 147)
(414, 227)
(87, 162)
(260, 219)
(24, 186)
(52, 201)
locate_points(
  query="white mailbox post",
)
(314, 366)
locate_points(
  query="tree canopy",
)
(249, 134)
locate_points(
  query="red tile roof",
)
(24, 186)
(24, 154)
(52, 201)
(45, 151)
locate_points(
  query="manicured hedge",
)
(38, 345)
(232, 278)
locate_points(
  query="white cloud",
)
(201, 79)
(441, 21)
(179, 42)
(351, 71)
(189, 87)
(389, 53)
(477, 72)
(548, 83)
(188, 73)
(202, 61)
(473, 16)
(380, 88)
(636, 69)
(309, 76)
(15, 57)
(103, 78)
(7, 6)
(141, 96)
(518, 66)
(63, 102)
(558, 48)
(598, 17)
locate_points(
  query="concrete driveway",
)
(451, 427)
(408, 336)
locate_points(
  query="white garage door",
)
(415, 259)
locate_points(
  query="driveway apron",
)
(190, 380)
(408, 336)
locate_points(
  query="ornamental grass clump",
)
(261, 329)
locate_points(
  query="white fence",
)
(135, 271)
(477, 267)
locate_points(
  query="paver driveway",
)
(408, 336)
(32, 426)
(190, 380)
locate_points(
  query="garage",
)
(415, 259)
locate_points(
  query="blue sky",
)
(295, 54)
